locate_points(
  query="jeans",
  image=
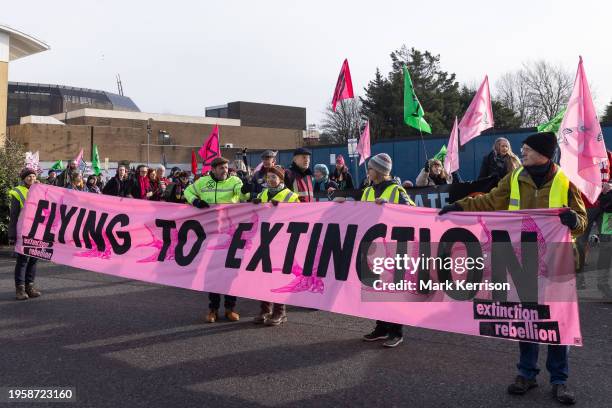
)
(25, 269)
(392, 329)
(215, 301)
(557, 362)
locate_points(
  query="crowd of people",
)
(522, 184)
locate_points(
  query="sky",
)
(181, 56)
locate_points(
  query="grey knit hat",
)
(381, 163)
(322, 168)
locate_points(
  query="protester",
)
(530, 187)
(274, 314)
(91, 185)
(161, 175)
(51, 177)
(139, 185)
(76, 182)
(117, 186)
(322, 183)
(500, 161)
(268, 159)
(174, 174)
(25, 267)
(298, 177)
(158, 187)
(175, 193)
(217, 188)
(433, 174)
(99, 181)
(384, 189)
(64, 179)
(341, 175)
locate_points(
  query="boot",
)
(212, 316)
(563, 395)
(279, 316)
(521, 385)
(21, 292)
(265, 312)
(32, 291)
(231, 315)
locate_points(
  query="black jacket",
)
(116, 187)
(346, 183)
(492, 165)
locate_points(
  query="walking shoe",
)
(393, 341)
(563, 395)
(261, 318)
(20, 292)
(212, 316)
(375, 335)
(32, 291)
(276, 319)
(232, 316)
(521, 385)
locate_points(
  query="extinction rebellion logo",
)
(37, 248)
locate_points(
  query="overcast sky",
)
(181, 56)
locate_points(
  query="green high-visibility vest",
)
(20, 193)
(557, 198)
(283, 196)
(391, 194)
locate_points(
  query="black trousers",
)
(25, 269)
(215, 301)
(392, 329)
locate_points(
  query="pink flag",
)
(79, 156)
(344, 85)
(363, 147)
(581, 140)
(451, 161)
(479, 115)
(210, 149)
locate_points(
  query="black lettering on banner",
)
(118, 248)
(38, 217)
(425, 252)
(65, 218)
(237, 243)
(295, 229)
(93, 231)
(311, 252)
(491, 310)
(189, 225)
(332, 245)
(504, 261)
(167, 226)
(401, 235)
(474, 250)
(364, 272)
(263, 252)
(534, 331)
(48, 235)
(77, 227)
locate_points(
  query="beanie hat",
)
(301, 150)
(381, 163)
(26, 172)
(322, 168)
(544, 143)
(340, 160)
(278, 170)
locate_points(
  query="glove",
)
(274, 202)
(426, 166)
(450, 207)
(199, 203)
(246, 188)
(256, 201)
(569, 218)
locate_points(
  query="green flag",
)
(553, 124)
(413, 111)
(58, 165)
(95, 160)
(441, 154)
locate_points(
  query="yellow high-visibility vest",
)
(391, 194)
(20, 193)
(557, 198)
(283, 196)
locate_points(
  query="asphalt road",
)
(124, 343)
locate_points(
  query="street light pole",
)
(148, 140)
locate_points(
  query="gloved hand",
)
(256, 201)
(569, 218)
(200, 203)
(246, 188)
(426, 166)
(380, 201)
(450, 207)
(274, 202)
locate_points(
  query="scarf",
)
(538, 173)
(274, 191)
(145, 184)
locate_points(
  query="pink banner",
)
(331, 256)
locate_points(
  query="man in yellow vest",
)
(217, 188)
(25, 268)
(384, 189)
(274, 314)
(540, 183)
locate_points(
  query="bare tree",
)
(343, 124)
(537, 91)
